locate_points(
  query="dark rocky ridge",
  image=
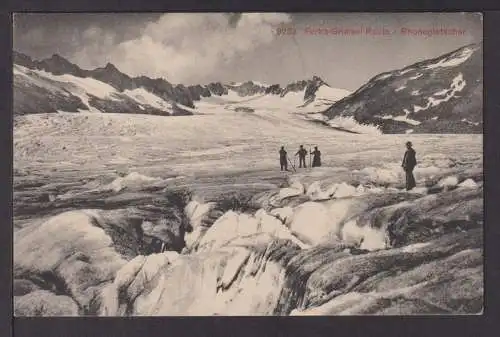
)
(109, 74)
(38, 94)
(112, 76)
(250, 88)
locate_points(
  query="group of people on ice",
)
(302, 153)
(408, 164)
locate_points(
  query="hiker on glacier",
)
(316, 162)
(283, 159)
(302, 156)
(409, 163)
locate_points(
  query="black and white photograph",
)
(247, 164)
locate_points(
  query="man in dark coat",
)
(302, 156)
(409, 163)
(316, 157)
(283, 159)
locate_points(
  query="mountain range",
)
(440, 95)
(55, 84)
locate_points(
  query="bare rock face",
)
(274, 89)
(248, 88)
(217, 88)
(58, 65)
(111, 75)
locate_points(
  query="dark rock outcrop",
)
(217, 88)
(58, 65)
(112, 76)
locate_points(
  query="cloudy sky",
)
(203, 47)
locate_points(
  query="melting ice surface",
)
(142, 215)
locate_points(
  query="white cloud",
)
(181, 47)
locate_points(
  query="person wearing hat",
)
(409, 163)
(302, 156)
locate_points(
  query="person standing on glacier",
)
(283, 159)
(316, 162)
(409, 163)
(302, 156)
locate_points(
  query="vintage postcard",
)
(236, 164)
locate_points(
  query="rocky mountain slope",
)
(55, 84)
(440, 95)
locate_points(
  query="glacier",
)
(210, 234)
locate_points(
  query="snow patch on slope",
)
(332, 94)
(145, 97)
(349, 123)
(406, 120)
(453, 62)
(458, 84)
(86, 84)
